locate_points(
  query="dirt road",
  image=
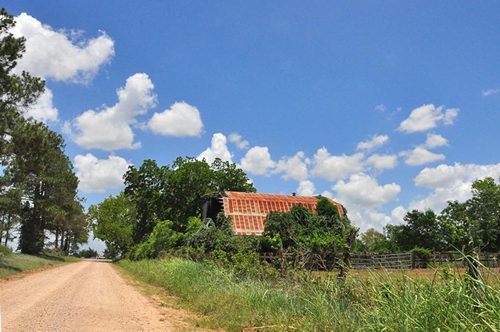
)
(83, 296)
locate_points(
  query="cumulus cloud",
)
(364, 198)
(181, 119)
(375, 142)
(99, 175)
(43, 110)
(237, 140)
(380, 162)
(434, 141)
(490, 92)
(427, 117)
(258, 161)
(450, 182)
(306, 188)
(364, 190)
(294, 168)
(218, 149)
(420, 156)
(332, 168)
(398, 214)
(57, 54)
(110, 128)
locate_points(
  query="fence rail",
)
(404, 260)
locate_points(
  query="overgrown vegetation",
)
(378, 302)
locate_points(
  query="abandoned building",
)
(249, 210)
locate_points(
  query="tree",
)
(178, 192)
(33, 158)
(112, 221)
(16, 91)
(10, 210)
(144, 187)
(422, 229)
(374, 241)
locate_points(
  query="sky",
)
(384, 106)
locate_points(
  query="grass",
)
(382, 301)
(15, 263)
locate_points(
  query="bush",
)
(5, 251)
(422, 256)
(163, 239)
(87, 253)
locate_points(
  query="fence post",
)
(413, 259)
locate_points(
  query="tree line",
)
(38, 188)
(467, 226)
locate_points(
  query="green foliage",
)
(421, 229)
(4, 250)
(144, 188)
(16, 91)
(35, 166)
(177, 192)
(374, 242)
(300, 230)
(467, 226)
(113, 221)
(162, 239)
(87, 253)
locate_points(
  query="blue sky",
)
(385, 106)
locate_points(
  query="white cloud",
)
(490, 92)
(385, 161)
(434, 141)
(381, 108)
(54, 54)
(450, 182)
(328, 194)
(110, 129)
(237, 140)
(363, 190)
(43, 110)
(375, 142)
(332, 168)
(218, 149)
(427, 117)
(294, 168)
(397, 214)
(181, 119)
(446, 175)
(306, 188)
(420, 156)
(364, 198)
(258, 161)
(99, 175)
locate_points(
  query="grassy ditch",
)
(380, 302)
(14, 263)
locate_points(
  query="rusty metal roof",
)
(249, 210)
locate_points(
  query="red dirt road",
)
(83, 296)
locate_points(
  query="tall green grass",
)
(378, 303)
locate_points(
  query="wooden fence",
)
(404, 260)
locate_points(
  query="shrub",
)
(4, 250)
(163, 239)
(87, 253)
